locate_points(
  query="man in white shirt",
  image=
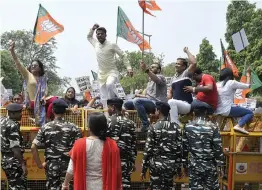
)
(107, 70)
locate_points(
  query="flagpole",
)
(143, 32)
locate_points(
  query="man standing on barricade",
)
(162, 153)
(107, 70)
(202, 140)
(156, 91)
(58, 138)
(12, 148)
(122, 130)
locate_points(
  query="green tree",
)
(139, 79)
(9, 72)
(206, 59)
(27, 51)
(169, 70)
(242, 14)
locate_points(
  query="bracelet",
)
(65, 186)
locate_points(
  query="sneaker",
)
(241, 130)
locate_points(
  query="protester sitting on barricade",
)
(201, 139)
(18, 98)
(156, 91)
(226, 90)
(206, 92)
(58, 137)
(162, 154)
(181, 100)
(71, 100)
(35, 86)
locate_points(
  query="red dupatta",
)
(111, 165)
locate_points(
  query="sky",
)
(179, 24)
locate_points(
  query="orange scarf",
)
(111, 165)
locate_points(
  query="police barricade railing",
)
(28, 122)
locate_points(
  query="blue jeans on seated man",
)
(238, 111)
(143, 107)
(197, 104)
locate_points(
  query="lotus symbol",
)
(49, 26)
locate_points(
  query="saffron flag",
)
(148, 4)
(227, 61)
(45, 26)
(126, 30)
(240, 94)
(95, 76)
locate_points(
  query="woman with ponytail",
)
(95, 160)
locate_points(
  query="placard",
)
(168, 81)
(83, 83)
(120, 91)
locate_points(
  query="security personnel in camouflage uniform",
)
(122, 130)
(202, 140)
(12, 148)
(162, 153)
(58, 137)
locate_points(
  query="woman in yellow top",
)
(35, 85)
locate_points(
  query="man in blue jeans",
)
(156, 91)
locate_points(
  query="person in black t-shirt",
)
(181, 100)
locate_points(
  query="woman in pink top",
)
(35, 86)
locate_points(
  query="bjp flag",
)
(126, 30)
(149, 4)
(45, 26)
(227, 61)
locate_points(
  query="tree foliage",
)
(27, 51)
(9, 72)
(206, 59)
(139, 79)
(242, 14)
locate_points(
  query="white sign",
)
(83, 83)
(168, 81)
(241, 168)
(120, 91)
(240, 40)
(95, 89)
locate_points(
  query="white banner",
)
(168, 81)
(83, 83)
(120, 91)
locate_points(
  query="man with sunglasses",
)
(181, 100)
(156, 91)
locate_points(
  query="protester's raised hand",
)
(143, 66)
(185, 49)
(96, 26)
(12, 46)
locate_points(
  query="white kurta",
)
(105, 54)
